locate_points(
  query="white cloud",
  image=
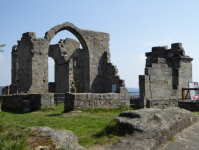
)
(1, 58)
(148, 43)
(166, 41)
(139, 59)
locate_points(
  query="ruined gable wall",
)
(166, 72)
(33, 66)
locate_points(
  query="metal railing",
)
(56, 97)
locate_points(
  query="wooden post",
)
(183, 94)
(186, 94)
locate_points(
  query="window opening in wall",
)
(57, 74)
(63, 35)
(74, 63)
(51, 70)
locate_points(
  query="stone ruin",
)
(166, 72)
(86, 71)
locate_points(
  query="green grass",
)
(13, 137)
(92, 127)
(171, 138)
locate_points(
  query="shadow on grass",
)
(17, 111)
(108, 110)
(112, 129)
(54, 115)
(134, 107)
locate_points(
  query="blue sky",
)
(134, 28)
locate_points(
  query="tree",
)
(2, 45)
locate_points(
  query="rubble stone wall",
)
(30, 59)
(77, 70)
(166, 72)
(78, 101)
(69, 65)
(38, 101)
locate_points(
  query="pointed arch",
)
(80, 36)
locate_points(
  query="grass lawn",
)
(92, 127)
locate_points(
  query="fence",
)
(58, 99)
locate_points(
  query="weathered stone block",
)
(96, 96)
(90, 97)
(80, 96)
(101, 96)
(115, 96)
(161, 60)
(108, 96)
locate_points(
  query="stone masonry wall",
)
(94, 44)
(91, 74)
(78, 101)
(166, 72)
(67, 54)
(38, 101)
(14, 75)
(111, 76)
(33, 66)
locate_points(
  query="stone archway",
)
(79, 34)
(33, 59)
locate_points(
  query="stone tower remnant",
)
(166, 72)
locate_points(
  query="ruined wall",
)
(38, 101)
(166, 72)
(69, 65)
(94, 44)
(92, 72)
(111, 76)
(33, 66)
(14, 74)
(78, 101)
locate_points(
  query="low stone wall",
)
(162, 103)
(189, 105)
(38, 101)
(77, 101)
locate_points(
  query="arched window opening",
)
(67, 52)
(63, 35)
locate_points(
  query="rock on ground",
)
(150, 128)
(61, 139)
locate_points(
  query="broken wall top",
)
(170, 56)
